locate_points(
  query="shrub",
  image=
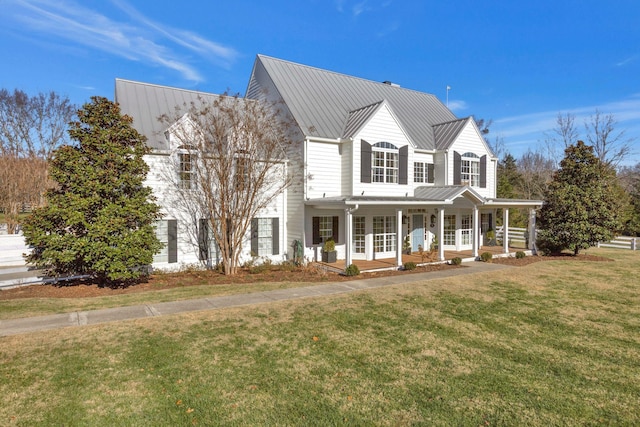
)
(456, 261)
(329, 246)
(409, 265)
(520, 255)
(352, 270)
(486, 256)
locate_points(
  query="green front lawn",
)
(553, 343)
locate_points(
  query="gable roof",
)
(446, 133)
(147, 102)
(321, 101)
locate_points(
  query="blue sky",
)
(517, 63)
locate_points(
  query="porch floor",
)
(390, 263)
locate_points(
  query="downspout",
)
(348, 238)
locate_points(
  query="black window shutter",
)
(483, 171)
(203, 239)
(172, 242)
(316, 230)
(365, 161)
(334, 229)
(457, 166)
(491, 226)
(404, 165)
(430, 173)
(254, 236)
(275, 236)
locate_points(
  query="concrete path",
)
(81, 318)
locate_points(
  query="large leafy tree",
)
(581, 207)
(98, 220)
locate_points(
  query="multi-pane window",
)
(326, 228)
(384, 233)
(465, 229)
(265, 236)
(423, 172)
(470, 169)
(418, 172)
(186, 171)
(162, 233)
(384, 162)
(359, 234)
(449, 237)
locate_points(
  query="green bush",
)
(456, 261)
(409, 265)
(520, 255)
(352, 270)
(486, 256)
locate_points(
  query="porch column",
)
(441, 234)
(399, 237)
(532, 229)
(476, 232)
(505, 231)
(348, 226)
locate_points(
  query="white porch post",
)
(476, 232)
(532, 229)
(348, 239)
(399, 237)
(505, 232)
(441, 234)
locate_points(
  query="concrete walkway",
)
(81, 318)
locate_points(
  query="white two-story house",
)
(373, 166)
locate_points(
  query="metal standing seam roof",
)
(446, 193)
(320, 101)
(358, 118)
(147, 102)
(446, 133)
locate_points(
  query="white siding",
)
(470, 141)
(381, 127)
(324, 169)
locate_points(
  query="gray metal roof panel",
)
(147, 102)
(445, 193)
(320, 100)
(446, 133)
(358, 118)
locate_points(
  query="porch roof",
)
(423, 196)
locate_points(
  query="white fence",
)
(621, 242)
(515, 235)
(12, 246)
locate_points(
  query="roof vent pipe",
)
(390, 83)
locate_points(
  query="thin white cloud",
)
(529, 130)
(628, 60)
(457, 105)
(360, 7)
(151, 42)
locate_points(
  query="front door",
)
(417, 232)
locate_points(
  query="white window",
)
(465, 229)
(358, 234)
(418, 172)
(384, 162)
(265, 236)
(384, 233)
(470, 169)
(449, 237)
(162, 233)
(186, 176)
(326, 228)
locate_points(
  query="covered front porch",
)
(391, 263)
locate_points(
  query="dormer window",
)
(384, 162)
(470, 169)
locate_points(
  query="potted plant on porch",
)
(329, 253)
(406, 246)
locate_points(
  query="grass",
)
(553, 343)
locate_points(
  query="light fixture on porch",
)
(433, 220)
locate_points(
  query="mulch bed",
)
(159, 282)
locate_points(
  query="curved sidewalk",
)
(81, 318)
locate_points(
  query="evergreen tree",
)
(98, 220)
(580, 206)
